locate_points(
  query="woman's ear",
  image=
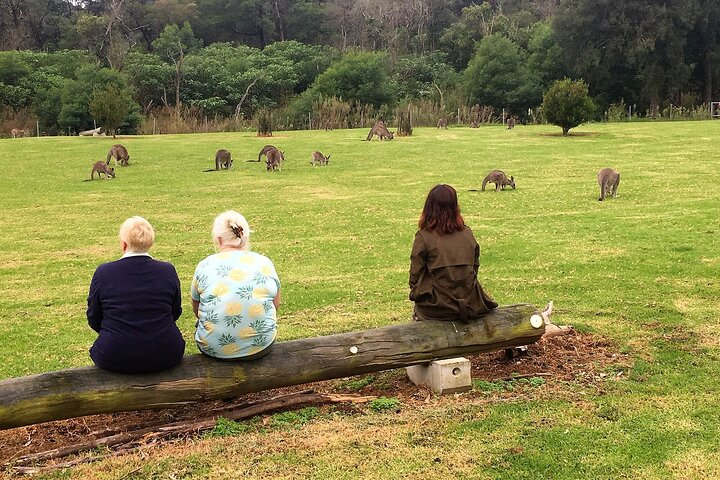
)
(219, 241)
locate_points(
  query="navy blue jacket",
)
(133, 305)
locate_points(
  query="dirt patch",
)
(575, 357)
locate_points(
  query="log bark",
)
(90, 390)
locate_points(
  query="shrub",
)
(567, 104)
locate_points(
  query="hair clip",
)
(236, 229)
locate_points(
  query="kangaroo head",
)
(512, 182)
(110, 172)
(327, 159)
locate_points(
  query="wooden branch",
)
(242, 99)
(90, 390)
(179, 428)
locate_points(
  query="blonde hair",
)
(233, 229)
(138, 234)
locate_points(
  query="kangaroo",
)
(118, 152)
(609, 180)
(264, 151)
(17, 132)
(223, 158)
(273, 159)
(328, 125)
(511, 123)
(381, 131)
(442, 123)
(319, 159)
(102, 167)
(474, 124)
(500, 180)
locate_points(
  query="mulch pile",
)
(573, 357)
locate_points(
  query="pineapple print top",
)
(236, 315)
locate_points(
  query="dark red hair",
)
(441, 212)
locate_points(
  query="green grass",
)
(641, 269)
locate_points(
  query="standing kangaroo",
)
(273, 159)
(442, 123)
(102, 167)
(17, 133)
(118, 152)
(474, 124)
(500, 180)
(223, 158)
(511, 123)
(609, 180)
(319, 159)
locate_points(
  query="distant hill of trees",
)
(305, 58)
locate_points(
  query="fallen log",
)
(89, 390)
(284, 402)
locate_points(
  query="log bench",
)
(89, 390)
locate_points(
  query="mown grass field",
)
(641, 270)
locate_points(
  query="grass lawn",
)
(641, 270)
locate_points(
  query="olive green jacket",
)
(443, 277)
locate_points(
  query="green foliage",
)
(498, 75)
(227, 428)
(109, 107)
(360, 77)
(355, 384)
(567, 104)
(294, 419)
(174, 42)
(384, 404)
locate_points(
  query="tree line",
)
(344, 58)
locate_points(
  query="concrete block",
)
(443, 376)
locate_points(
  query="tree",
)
(358, 77)
(109, 107)
(567, 104)
(498, 75)
(173, 44)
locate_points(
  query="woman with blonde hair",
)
(235, 295)
(133, 304)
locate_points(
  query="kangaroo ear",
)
(512, 179)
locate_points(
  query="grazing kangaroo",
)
(17, 132)
(328, 125)
(609, 180)
(442, 123)
(102, 167)
(264, 151)
(381, 131)
(511, 123)
(474, 124)
(500, 180)
(118, 152)
(273, 159)
(223, 158)
(319, 159)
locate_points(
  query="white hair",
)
(138, 234)
(233, 229)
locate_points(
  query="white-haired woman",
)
(235, 295)
(133, 304)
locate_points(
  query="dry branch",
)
(283, 402)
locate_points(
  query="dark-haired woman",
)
(444, 263)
